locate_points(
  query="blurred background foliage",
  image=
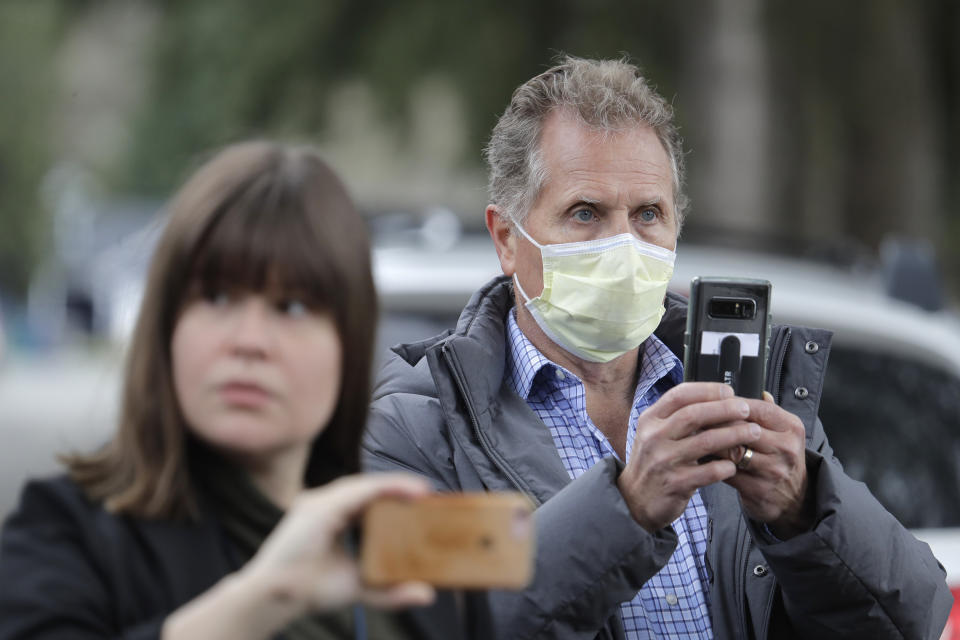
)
(29, 32)
(812, 127)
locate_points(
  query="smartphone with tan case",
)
(450, 540)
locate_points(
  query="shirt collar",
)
(524, 361)
(656, 362)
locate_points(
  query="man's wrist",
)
(800, 520)
(635, 513)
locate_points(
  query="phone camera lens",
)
(735, 308)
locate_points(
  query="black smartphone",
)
(728, 333)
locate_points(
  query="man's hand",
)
(690, 421)
(773, 486)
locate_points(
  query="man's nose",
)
(619, 222)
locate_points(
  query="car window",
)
(894, 423)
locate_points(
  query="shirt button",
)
(671, 599)
(560, 375)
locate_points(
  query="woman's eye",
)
(293, 307)
(583, 215)
(217, 298)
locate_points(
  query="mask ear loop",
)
(523, 294)
(516, 225)
(516, 280)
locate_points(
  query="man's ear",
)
(504, 239)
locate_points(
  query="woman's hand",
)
(301, 568)
(304, 558)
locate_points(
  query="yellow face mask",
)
(601, 298)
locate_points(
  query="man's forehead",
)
(572, 144)
(635, 161)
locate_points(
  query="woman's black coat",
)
(71, 569)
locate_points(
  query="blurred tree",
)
(29, 32)
(943, 21)
(868, 125)
(860, 101)
(227, 70)
(727, 99)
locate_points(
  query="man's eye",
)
(583, 215)
(648, 215)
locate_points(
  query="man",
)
(563, 380)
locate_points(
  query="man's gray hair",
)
(609, 95)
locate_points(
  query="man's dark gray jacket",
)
(443, 409)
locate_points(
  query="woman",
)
(246, 388)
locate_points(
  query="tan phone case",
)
(451, 540)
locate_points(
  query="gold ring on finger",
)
(745, 459)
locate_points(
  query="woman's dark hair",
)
(257, 216)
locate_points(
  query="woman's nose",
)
(250, 331)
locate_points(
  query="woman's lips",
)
(244, 394)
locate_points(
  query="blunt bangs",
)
(264, 243)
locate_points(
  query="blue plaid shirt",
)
(674, 603)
